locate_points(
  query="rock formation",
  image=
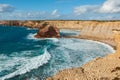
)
(117, 39)
(48, 31)
(106, 68)
(96, 30)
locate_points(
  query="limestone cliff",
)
(107, 68)
(100, 29)
(88, 28)
(96, 30)
(48, 31)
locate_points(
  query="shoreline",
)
(113, 45)
(86, 73)
(100, 41)
(82, 72)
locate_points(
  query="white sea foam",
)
(75, 53)
(31, 28)
(108, 46)
(77, 44)
(72, 60)
(28, 64)
(79, 51)
(72, 32)
(53, 39)
(31, 37)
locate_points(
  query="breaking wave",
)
(30, 36)
(24, 56)
(27, 64)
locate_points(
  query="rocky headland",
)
(107, 68)
(94, 30)
(48, 31)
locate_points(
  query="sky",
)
(59, 9)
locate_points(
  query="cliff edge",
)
(107, 68)
(95, 30)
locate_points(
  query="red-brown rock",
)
(48, 31)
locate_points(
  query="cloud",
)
(85, 8)
(54, 12)
(109, 6)
(30, 15)
(109, 10)
(6, 8)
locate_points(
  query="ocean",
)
(23, 57)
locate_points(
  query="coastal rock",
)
(117, 39)
(95, 30)
(106, 68)
(48, 31)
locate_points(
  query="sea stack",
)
(48, 31)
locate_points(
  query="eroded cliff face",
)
(117, 40)
(100, 29)
(67, 24)
(48, 31)
(96, 30)
(36, 24)
(93, 28)
(107, 68)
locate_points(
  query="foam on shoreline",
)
(29, 65)
(104, 44)
(31, 37)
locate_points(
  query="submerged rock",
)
(48, 31)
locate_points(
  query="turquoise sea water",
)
(22, 57)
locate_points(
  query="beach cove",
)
(76, 48)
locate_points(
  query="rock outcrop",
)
(106, 68)
(117, 39)
(96, 30)
(48, 31)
